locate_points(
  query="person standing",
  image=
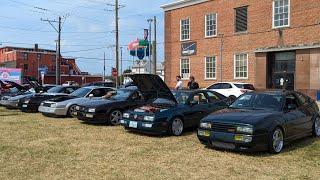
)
(179, 84)
(192, 84)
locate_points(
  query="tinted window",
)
(213, 97)
(245, 86)
(81, 92)
(181, 97)
(226, 86)
(122, 95)
(199, 98)
(215, 86)
(258, 101)
(291, 100)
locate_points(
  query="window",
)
(210, 68)
(185, 29)
(241, 66)
(211, 25)
(25, 67)
(281, 12)
(25, 56)
(185, 68)
(213, 97)
(53, 58)
(38, 56)
(241, 19)
(225, 86)
(199, 98)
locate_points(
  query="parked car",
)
(12, 102)
(231, 89)
(13, 89)
(110, 110)
(261, 121)
(65, 106)
(174, 111)
(101, 84)
(32, 104)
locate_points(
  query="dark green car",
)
(172, 112)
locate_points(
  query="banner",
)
(10, 74)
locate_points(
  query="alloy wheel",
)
(317, 127)
(277, 140)
(177, 127)
(72, 109)
(115, 117)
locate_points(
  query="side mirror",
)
(292, 107)
(91, 96)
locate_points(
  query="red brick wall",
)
(260, 35)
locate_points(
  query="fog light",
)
(121, 121)
(147, 125)
(89, 115)
(126, 115)
(243, 138)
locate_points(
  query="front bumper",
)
(52, 111)
(223, 140)
(145, 126)
(10, 104)
(92, 118)
(30, 107)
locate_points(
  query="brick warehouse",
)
(29, 60)
(270, 43)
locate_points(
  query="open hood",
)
(18, 86)
(152, 87)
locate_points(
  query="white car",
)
(231, 89)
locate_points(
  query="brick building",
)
(270, 43)
(30, 60)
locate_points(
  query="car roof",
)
(232, 83)
(97, 87)
(274, 91)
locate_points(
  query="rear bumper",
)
(52, 111)
(145, 127)
(224, 140)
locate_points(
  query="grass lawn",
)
(36, 147)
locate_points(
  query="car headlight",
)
(245, 129)
(148, 118)
(91, 110)
(126, 115)
(41, 104)
(205, 125)
(53, 105)
(27, 101)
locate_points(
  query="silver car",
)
(65, 106)
(12, 102)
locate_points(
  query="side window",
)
(97, 93)
(226, 86)
(215, 86)
(302, 99)
(212, 97)
(69, 90)
(199, 98)
(291, 101)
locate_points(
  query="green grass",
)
(36, 147)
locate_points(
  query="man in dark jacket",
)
(192, 84)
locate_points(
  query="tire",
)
(176, 127)
(276, 141)
(316, 127)
(71, 109)
(114, 117)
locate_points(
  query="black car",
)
(110, 110)
(31, 104)
(261, 121)
(171, 112)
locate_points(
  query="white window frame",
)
(234, 66)
(205, 25)
(205, 68)
(182, 77)
(181, 29)
(273, 15)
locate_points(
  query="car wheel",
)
(276, 141)
(176, 127)
(316, 127)
(115, 117)
(71, 110)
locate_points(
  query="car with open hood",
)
(32, 103)
(109, 110)
(65, 106)
(259, 121)
(172, 112)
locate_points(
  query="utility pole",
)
(150, 32)
(104, 66)
(154, 47)
(58, 47)
(117, 40)
(121, 71)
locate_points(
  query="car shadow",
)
(293, 146)
(188, 132)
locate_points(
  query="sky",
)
(88, 29)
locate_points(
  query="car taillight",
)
(243, 91)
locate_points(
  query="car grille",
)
(220, 127)
(223, 145)
(136, 117)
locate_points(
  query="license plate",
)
(133, 124)
(238, 137)
(25, 105)
(89, 115)
(204, 133)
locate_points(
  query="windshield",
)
(82, 92)
(14, 90)
(57, 89)
(258, 101)
(245, 86)
(121, 94)
(181, 97)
